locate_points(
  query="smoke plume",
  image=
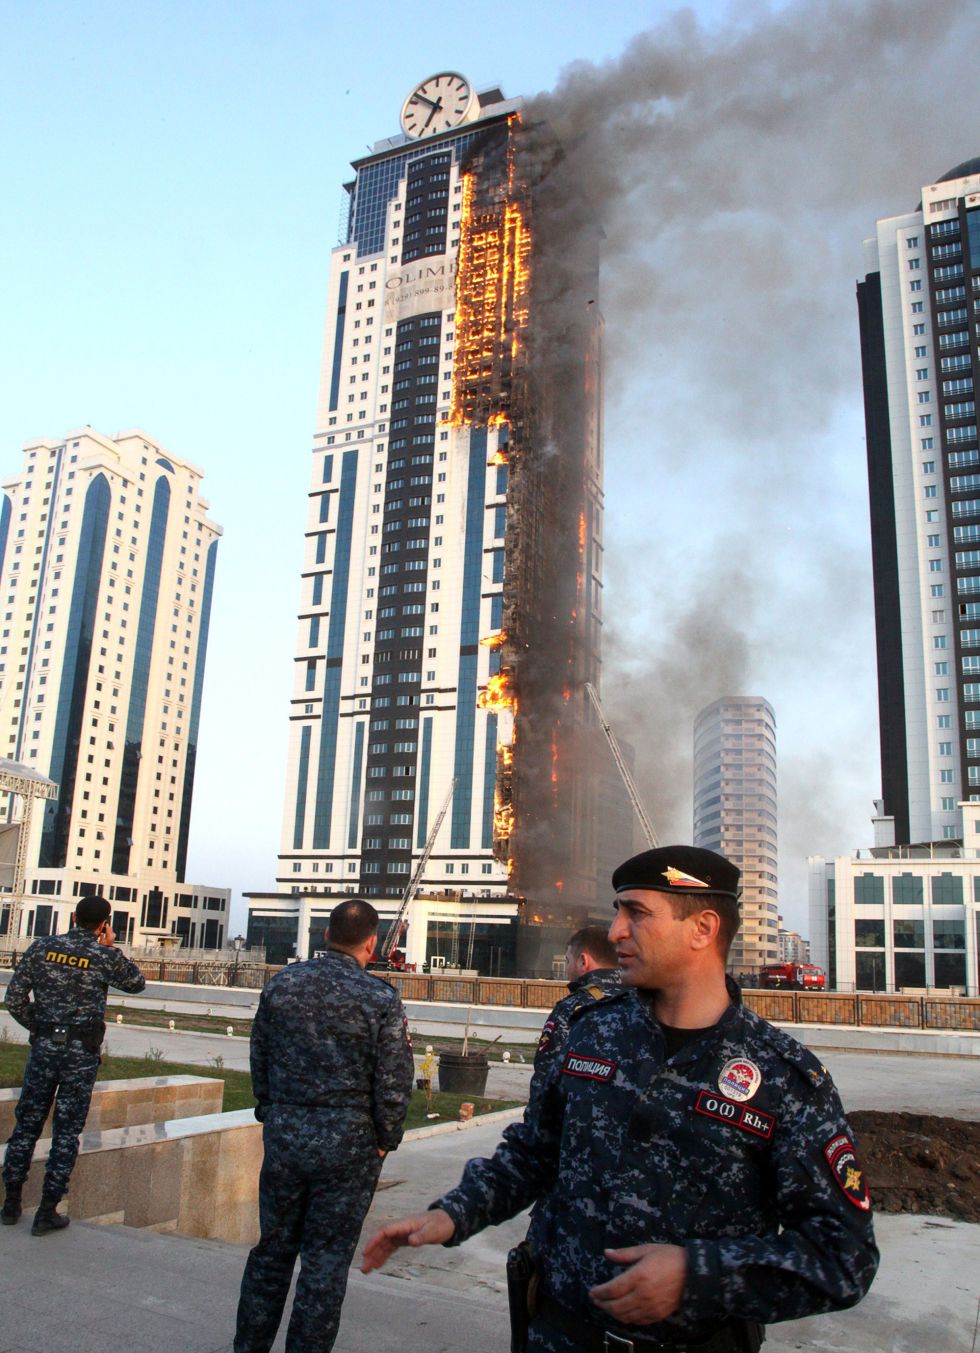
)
(733, 172)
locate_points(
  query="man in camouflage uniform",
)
(69, 975)
(591, 972)
(699, 1176)
(332, 1072)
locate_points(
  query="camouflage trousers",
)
(318, 1178)
(57, 1075)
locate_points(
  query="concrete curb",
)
(184, 1033)
(453, 1125)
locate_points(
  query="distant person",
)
(697, 1174)
(69, 975)
(592, 972)
(332, 1073)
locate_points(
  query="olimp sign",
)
(427, 285)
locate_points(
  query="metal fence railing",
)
(866, 1009)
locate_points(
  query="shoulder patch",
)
(547, 1036)
(849, 1177)
(587, 1067)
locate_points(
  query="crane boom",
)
(395, 930)
(623, 768)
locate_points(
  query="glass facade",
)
(869, 890)
(277, 933)
(870, 970)
(910, 970)
(128, 780)
(204, 623)
(323, 805)
(469, 639)
(378, 183)
(869, 934)
(78, 653)
(907, 890)
(947, 890)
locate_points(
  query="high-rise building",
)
(735, 813)
(107, 561)
(451, 586)
(918, 312)
(793, 948)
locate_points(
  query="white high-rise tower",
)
(108, 559)
(919, 308)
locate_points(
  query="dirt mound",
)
(916, 1162)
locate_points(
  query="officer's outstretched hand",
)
(651, 1288)
(430, 1228)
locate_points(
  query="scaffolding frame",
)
(29, 786)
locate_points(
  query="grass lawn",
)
(238, 1084)
(217, 1024)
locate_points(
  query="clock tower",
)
(442, 550)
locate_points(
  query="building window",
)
(907, 890)
(947, 890)
(869, 933)
(870, 889)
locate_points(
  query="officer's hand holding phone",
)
(105, 936)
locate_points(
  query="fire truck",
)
(793, 977)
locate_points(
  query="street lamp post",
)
(238, 942)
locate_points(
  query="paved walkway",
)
(113, 1288)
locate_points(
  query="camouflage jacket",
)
(594, 986)
(69, 976)
(327, 1034)
(736, 1148)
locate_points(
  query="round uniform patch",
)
(739, 1079)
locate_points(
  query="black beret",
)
(678, 869)
(92, 910)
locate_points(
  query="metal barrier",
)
(868, 1009)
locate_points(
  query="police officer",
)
(332, 1072)
(591, 972)
(69, 975)
(701, 1178)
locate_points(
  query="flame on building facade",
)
(543, 399)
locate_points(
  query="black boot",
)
(47, 1219)
(11, 1211)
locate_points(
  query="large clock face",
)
(437, 105)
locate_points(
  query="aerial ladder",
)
(623, 768)
(395, 930)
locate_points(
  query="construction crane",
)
(395, 930)
(623, 769)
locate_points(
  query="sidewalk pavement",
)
(94, 1288)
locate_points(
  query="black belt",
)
(80, 1032)
(595, 1340)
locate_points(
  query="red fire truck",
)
(793, 977)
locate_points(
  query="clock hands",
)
(436, 108)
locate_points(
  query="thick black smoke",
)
(734, 172)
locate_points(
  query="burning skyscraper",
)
(451, 588)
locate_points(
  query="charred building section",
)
(530, 365)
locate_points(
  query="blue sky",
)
(172, 180)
